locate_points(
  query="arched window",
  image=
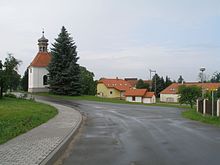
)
(45, 78)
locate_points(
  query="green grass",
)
(17, 116)
(193, 115)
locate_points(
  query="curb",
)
(55, 154)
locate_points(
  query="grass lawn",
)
(17, 116)
(193, 115)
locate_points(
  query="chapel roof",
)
(42, 59)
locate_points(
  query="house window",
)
(45, 79)
(110, 92)
(133, 98)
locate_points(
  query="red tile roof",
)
(149, 94)
(135, 92)
(118, 84)
(173, 88)
(133, 81)
(42, 59)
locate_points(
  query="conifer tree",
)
(24, 81)
(168, 82)
(142, 85)
(64, 71)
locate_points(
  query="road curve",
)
(116, 134)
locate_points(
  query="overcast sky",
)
(123, 38)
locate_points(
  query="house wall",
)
(169, 98)
(103, 91)
(35, 79)
(137, 99)
(149, 100)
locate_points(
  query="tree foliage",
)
(1, 79)
(160, 84)
(24, 81)
(218, 93)
(180, 79)
(88, 85)
(142, 85)
(168, 82)
(215, 77)
(189, 94)
(9, 77)
(64, 71)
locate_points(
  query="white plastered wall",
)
(137, 99)
(169, 98)
(35, 79)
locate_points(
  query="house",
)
(112, 88)
(170, 94)
(37, 70)
(140, 95)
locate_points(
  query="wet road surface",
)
(117, 134)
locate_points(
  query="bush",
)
(10, 95)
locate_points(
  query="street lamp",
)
(202, 69)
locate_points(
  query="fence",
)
(208, 107)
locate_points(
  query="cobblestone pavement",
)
(34, 146)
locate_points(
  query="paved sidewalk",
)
(40, 145)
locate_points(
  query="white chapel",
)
(37, 71)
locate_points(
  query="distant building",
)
(133, 81)
(37, 70)
(140, 96)
(116, 88)
(112, 88)
(170, 94)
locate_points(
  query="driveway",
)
(117, 134)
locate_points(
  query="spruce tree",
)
(64, 71)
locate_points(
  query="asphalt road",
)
(116, 134)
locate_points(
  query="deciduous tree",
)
(1, 79)
(215, 77)
(11, 78)
(189, 94)
(88, 85)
